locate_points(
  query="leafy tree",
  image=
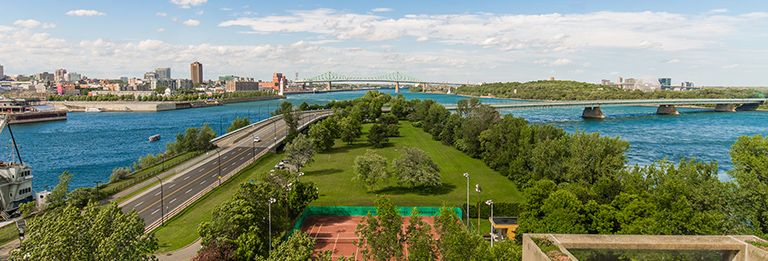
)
(419, 239)
(393, 130)
(59, 192)
(304, 106)
(382, 236)
(750, 171)
(119, 173)
(454, 242)
(370, 169)
(414, 166)
(238, 123)
(322, 136)
(300, 151)
(350, 129)
(215, 251)
(92, 233)
(291, 116)
(299, 246)
(387, 119)
(377, 135)
(80, 197)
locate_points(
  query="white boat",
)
(15, 181)
(93, 110)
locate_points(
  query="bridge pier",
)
(748, 107)
(725, 107)
(592, 113)
(667, 110)
(397, 87)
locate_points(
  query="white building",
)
(72, 77)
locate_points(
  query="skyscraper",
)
(59, 74)
(163, 73)
(197, 72)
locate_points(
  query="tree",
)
(291, 116)
(419, 239)
(415, 166)
(377, 135)
(387, 119)
(298, 247)
(350, 129)
(238, 123)
(322, 136)
(300, 151)
(381, 237)
(454, 242)
(750, 170)
(59, 192)
(92, 233)
(370, 169)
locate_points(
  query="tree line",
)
(572, 90)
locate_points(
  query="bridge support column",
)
(724, 107)
(329, 85)
(397, 87)
(748, 107)
(667, 110)
(592, 113)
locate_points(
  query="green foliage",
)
(370, 169)
(377, 135)
(298, 247)
(92, 233)
(750, 171)
(119, 173)
(59, 192)
(571, 90)
(414, 166)
(500, 209)
(238, 123)
(26, 209)
(422, 246)
(300, 151)
(454, 241)
(381, 237)
(80, 197)
(291, 115)
(193, 139)
(351, 129)
(324, 133)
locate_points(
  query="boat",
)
(18, 111)
(154, 137)
(15, 180)
(93, 110)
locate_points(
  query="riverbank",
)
(149, 106)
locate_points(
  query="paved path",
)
(183, 254)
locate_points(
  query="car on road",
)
(256, 139)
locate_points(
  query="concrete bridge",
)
(395, 77)
(666, 106)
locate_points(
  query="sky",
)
(709, 43)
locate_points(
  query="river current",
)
(90, 145)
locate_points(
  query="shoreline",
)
(149, 106)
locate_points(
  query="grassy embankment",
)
(332, 172)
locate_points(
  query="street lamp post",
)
(271, 200)
(162, 208)
(219, 160)
(478, 189)
(490, 203)
(466, 175)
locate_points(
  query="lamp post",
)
(162, 208)
(478, 189)
(254, 146)
(466, 175)
(271, 200)
(219, 160)
(490, 203)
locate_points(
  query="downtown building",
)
(196, 69)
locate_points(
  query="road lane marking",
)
(137, 205)
(174, 199)
(174, 184)
(203, 182)
(189, 190)
(156, 210)
(158, 193)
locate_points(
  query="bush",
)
(119, 173)
(500, 209)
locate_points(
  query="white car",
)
(256, 139)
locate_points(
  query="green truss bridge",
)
(396, 77)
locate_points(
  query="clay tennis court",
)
(337, 233)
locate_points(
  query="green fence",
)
(363, 211)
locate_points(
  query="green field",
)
(332, 172)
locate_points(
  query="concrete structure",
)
(72, 77)
(666, 106)
(197, 72)
(163, 73)
(59, 74)
(2, 73)
(44, 77)
(241, 84)
(731, 248)
(149, 76)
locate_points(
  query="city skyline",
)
(709, 43)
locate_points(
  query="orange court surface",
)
(337, 233)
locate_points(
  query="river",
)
(90, 145)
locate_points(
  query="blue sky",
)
(710, 43)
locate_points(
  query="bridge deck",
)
(615, 103)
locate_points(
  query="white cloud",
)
(31, 24)
(649, 45)
(422, 39)
(731, 66)
(160, 30)
(614, 73)
(4, 28)
(561, 62)
(199, 12)
(82, 12)
(382, 9)
(721, 10)
(187, 3)
(191, 22)
(225, 9)
(161, 14)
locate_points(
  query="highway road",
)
(234, 151)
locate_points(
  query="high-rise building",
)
(665, 81)
(2, 74)
(44, 77)
(59, 74)
(163, 73)
(150, 76)
(72, 77)
(197, 72)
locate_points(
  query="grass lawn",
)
(332, 172)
